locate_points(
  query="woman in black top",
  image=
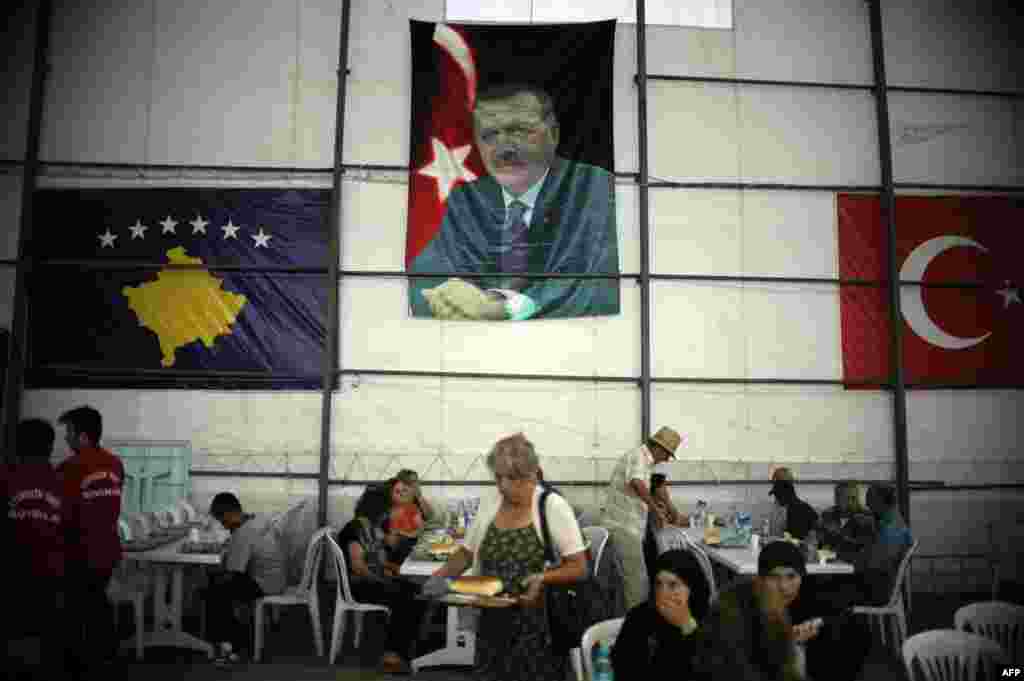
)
(658, 637)
(373, 578)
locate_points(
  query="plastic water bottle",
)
(603, 663)
(766, 529)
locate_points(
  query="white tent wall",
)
(254, 84)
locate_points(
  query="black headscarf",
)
(684, 565)
(781, 553)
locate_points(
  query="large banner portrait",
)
(511, 172)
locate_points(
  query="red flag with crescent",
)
(952, 335)
(444, 155)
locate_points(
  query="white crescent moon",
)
(912, 300)
(452, 42)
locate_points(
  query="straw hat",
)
(668, 439)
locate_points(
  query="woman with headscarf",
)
(766, 629)
(658, 638)
(506, 541)
(748, 634)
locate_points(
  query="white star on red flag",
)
(1010, 294)
(448, 167)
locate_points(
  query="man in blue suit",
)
(534, 212)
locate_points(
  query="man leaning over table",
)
(628, 500)
(253, 567)
(92, 481)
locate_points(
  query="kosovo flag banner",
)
(112, 316)
(511, 172)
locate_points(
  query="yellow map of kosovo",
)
(183, 306)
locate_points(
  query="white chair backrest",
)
(901, 574)
(188, 510)
(607, 630)
(671, 538)
(950, 655)
(341, 567)
(314, 555)
(596, 537)
(1000, 621)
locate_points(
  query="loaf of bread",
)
(478, 586)
(443, 548)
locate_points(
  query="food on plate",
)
(478, 586)
(712, 535)
(443, 548)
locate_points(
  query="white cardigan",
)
(565, 531)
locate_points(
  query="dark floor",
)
(289, 654)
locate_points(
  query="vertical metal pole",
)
(334, 253)
(14, 380)
(642, 180)
(888, 220)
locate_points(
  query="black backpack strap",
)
(549, 552)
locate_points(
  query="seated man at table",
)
(31, 494)
(847, 526)
(254, 567)
(801, 517)
(876, 563)
(762, 629)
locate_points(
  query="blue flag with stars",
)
(240, 286)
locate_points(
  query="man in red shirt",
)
(33, 527)
(93, 479)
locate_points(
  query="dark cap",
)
(780, 554)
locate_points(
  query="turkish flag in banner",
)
(959, 336)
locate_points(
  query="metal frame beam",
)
(15, 375)
(331, 281)
(888, 222)
(642, 180)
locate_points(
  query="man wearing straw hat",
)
(628, 500)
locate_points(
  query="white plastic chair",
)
(607, 630)
(1000, 621)
(596, 538)
(949, 655)
(671, 538)
(895, 607)
(303, 593)
(132, 588)
(346, 603)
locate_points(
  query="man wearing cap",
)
(628, 500)
(762, 629)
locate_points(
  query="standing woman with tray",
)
(506, 541)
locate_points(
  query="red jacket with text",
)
(93, 480)
(33, 520)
